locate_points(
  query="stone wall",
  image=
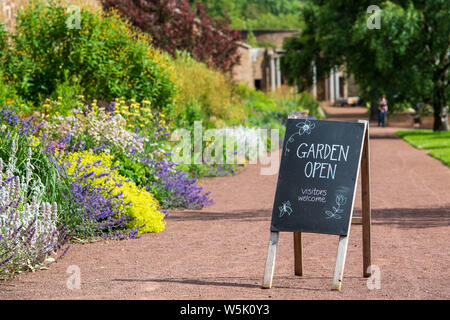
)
(8, 11)
(273, 36)
(257, 71)
(243, 71)
(257, 62)
(352, 87)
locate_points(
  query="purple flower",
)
(181, 191)
(103, 212)
(25, 127)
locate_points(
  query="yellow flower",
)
(144, 207)
(34, 142)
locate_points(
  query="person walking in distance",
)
(382, 111)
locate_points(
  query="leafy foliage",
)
(407, 58)
(272, 110)
(104, 57)
(174, 25)
(3, 43)
(256, 14)
(204, 94)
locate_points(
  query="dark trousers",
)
(381, 119)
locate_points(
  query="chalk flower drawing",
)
(340, 201)
(303, 127)
(285, 208)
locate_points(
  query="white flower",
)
(305, 127)
(340, 199)
(26, 214)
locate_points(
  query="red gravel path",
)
(220, 252)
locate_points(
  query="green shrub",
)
(206, 92)
(185, 117)
(3, 45)
(105, 58)
(8, 93)
(67, 95)
(271, 110)
(297, 102)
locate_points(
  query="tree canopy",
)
(406, 56)
(256, 14)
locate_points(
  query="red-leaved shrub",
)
(175, 25)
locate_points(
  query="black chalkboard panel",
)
(317, 176)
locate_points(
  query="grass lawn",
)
(437, 142)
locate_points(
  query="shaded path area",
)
(220, 252)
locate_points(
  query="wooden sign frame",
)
(365, 220)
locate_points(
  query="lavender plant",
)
(174, 187)
(28, 226)
(9, 118)
(96, 211)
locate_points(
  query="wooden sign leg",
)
(298, 254)
(270, 263)
(366, 211)
(340, 263)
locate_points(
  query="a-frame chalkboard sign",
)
(316, 189)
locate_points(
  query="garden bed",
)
(87, 116)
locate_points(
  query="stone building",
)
(260, 68)
(338, 87)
